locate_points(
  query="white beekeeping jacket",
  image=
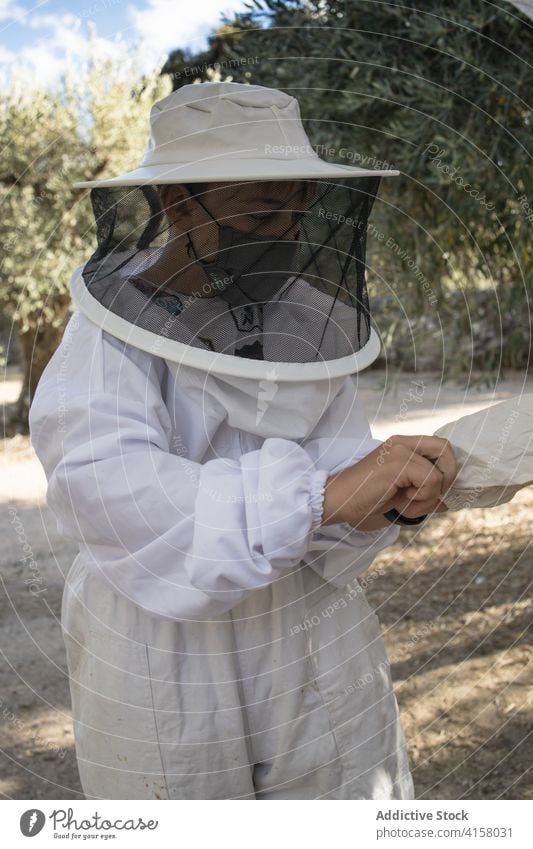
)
(153, 470)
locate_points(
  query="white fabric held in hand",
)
(494, 453)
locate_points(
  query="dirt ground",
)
(454, 600)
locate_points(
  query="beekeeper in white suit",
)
(205, 446)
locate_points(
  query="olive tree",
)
(91, 122)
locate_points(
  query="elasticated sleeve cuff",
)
(317, 491)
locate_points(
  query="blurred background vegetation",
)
(442, 92)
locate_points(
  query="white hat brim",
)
(229, 170)
(211, 361)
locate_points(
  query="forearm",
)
(369, 523)
(336, 502)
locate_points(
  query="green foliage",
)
(50, 139)
(442, 91)
(93, 122)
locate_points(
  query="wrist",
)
(338, 507)
(374, 523)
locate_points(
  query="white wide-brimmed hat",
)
(216, 132)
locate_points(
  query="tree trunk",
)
(37, 344)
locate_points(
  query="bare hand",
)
(408, 473)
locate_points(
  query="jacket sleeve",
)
(340, 553)
(180, 539)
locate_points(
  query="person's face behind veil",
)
(195, 213)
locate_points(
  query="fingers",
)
(436, 449)
(412, 509)
(417, 477)
(447, 465)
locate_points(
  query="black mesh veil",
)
(266, 270)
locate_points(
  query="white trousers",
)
(288, 696)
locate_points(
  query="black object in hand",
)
(394, 516)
